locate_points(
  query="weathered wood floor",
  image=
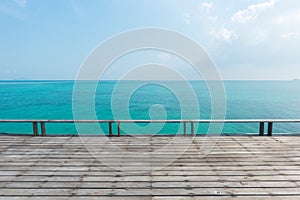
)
(239, 167)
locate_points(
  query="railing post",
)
(192, 128)
(110, 128)
(119, 129)
(261, 128)
(184, 128)
(270, 128)
(43, 128)
(35, 128)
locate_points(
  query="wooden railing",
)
(261, 123)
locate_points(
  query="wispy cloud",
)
(213, 18)
(163, 56)
(187, 18)
(290, 35)
(207, 6)
(10, 71)
(251, 12)
(288, 18)
(77, 8)
(224, 34)
(15, 10)
(11, 12)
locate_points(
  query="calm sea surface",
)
(53, 100)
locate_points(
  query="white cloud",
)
(252, 12)
(187, 18)
(255, 36)
(224, 34)
(290, 17)
(290, 35)
(213, 18)
(207, 6)
(10, 71)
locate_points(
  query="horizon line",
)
(20, 80)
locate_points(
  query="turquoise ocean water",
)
(53, 100)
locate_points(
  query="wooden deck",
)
(239, 167)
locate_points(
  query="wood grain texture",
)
(239, 167)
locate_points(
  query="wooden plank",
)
(61, 168)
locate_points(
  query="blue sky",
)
(50, 39)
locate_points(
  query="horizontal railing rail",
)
(261, 123)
